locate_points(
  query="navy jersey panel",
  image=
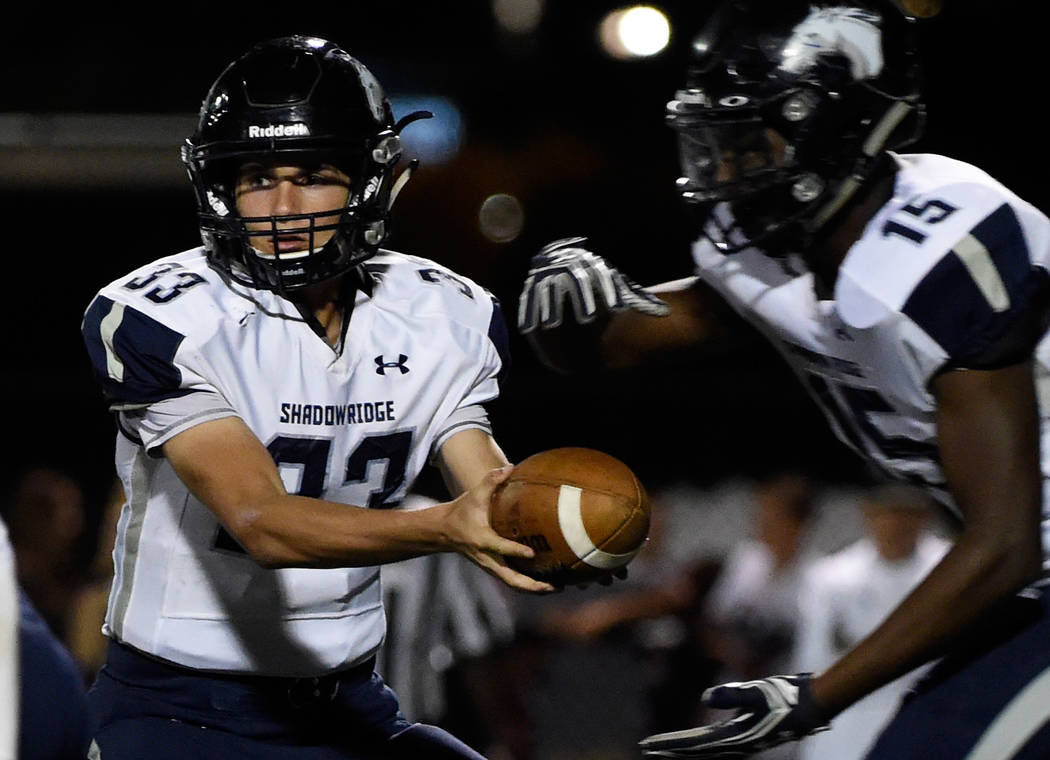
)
(951, 306)
(143, 348)
(500, 339)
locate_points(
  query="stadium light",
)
(638, 31)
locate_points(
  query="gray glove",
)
(565, 268)
(770, 711)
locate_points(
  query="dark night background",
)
(577, 137)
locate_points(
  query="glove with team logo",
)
(770, 711)
(565, 270)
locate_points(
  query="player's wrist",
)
(572, 347)
(458, 525)
(810, 708)
(435, 528)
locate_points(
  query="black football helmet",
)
(304, 99)
(787, 109)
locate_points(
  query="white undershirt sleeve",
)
(163, 420)
(470, 416)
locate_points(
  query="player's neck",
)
(828, 254)
(325, 301)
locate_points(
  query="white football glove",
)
(565, 268)
(770, 711)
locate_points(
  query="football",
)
(582, 511)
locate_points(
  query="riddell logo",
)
(278, 130)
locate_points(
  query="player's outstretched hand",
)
(566, 271)
(472, 535)
(770, 711)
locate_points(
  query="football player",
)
(277, 391)
(910, 294)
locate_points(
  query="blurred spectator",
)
(46, 520)
(608, 663)
(847, 594)
(448, 623)
(753, 607)
(87, 609)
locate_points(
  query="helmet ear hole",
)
(388, 151)
(799, 106)
(807, 188)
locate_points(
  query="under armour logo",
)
(382, 366)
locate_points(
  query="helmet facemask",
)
(729, 154)
(302, 102)
(336, 239)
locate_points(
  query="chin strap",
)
(401, 181)
(406, 175)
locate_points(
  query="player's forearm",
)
(227, 469)
(571, 347)
(624, 340)
(987, 432)
(632, 339)
(295, 531)
(980, 570)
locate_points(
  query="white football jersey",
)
(175, 344)
(939, 275)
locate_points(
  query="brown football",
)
(582, 511)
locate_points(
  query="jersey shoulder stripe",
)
(132, 355)
(979, 287)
